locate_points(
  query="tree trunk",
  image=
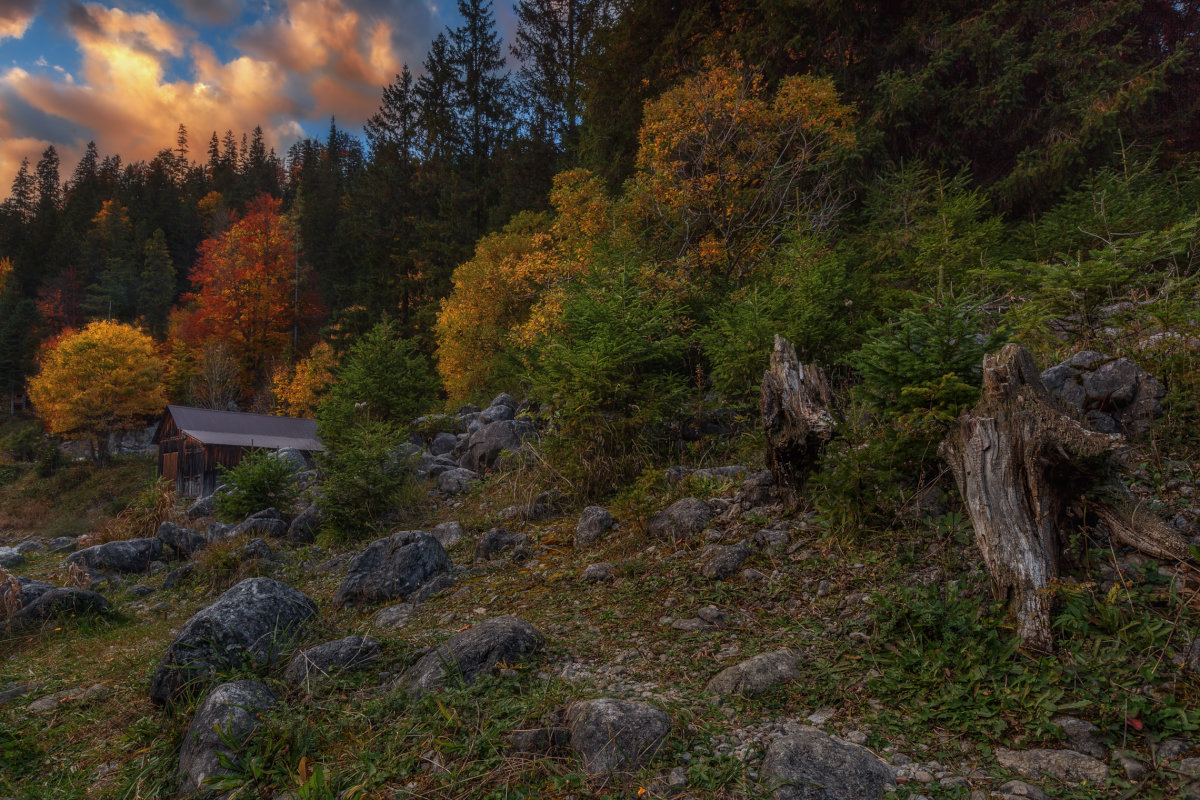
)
(796, 418)
(1022, 465)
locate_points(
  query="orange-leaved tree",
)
(250, 292)
(299, 389)
(103, 379)
(724, 166)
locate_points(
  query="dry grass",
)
(157, 504)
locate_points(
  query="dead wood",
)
(796, 418)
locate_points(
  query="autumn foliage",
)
(106, 377)
(249, 292)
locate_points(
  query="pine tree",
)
(435, 92)
(157, 288)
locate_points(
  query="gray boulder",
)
(724, 562)
(1115, 395)
(809, 765)
(296, 459)
(205, 506)
(499, 413)
(456, 481)
(129, 555)
(315, 664)
(443, 444)
(1065, 765)
(184, 541)
(474, 652)
(253, 621)
(11, 557)
(504, 399)
(391, 569)
(681, 520)
(54, 603)
(594, 522)
(256, 550)
(759, 489)
(497, 540)
(615, 737)
(1082, 736)
(230, 713)
(447, 533)
(485, 447)
(598, 573)
(62, 544)
(305, 526)
(756, 675)
(27, 590)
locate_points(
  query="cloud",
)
(15, 17)
(210, 12)
(141, 74)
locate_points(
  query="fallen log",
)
(796, 418)
(1024, 465)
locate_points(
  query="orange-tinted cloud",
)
(140, 74)
(15, 17)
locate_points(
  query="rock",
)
(474, 652)
(129, 555)
(315, 664)
(59, 603)
(1016, 788)
(431, 588)
(184, 541)
(496, 414)
(526, 513)
(457, 481)
(759, 489)
(62, 544)
(1192, 656)
(756, 675)
(1082, 736)
(447, 533)
(615, 737)
(140, 590)
(30, 546)
(53, 701)
(443, 444)
(681, 520)
(485, 447)
(11, 557)
(296, 459)
(205, 506)
(251, 621)
(809, 765)
(1190, 765)
(305, 526)
(594, 522)
(504, 399)
(724, 562)
(27, 591)
(676, 474)
(497, 540)
(230, 713)
(11, 692)
(1065, 765)
(261, 526)
(1171, 749)
(393, 616)
(391, 569)
(1134, 769)
(1114, 394)
(598, 573)
(539, 741)
(256, 550)
(177, 576)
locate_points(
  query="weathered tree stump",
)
(1023, 465)
(796, 418)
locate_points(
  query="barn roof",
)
(244, 430)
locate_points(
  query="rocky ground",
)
(691, 639)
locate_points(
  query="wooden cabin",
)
(194, 442)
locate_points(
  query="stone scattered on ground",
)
(256, 550)
(252, 621)
(305, 526)
(484, 448)
(598, 573)
(496, 541)
(62, 544)
(60, 602)
(1064, 765)
(185, 542)
(127, 555)
(315, 664)
(230, 713)
(594, 522)
(681, 520)
(1082, 736)
(11, 557)
(474, 652)
(393, 616)
(78, 695)
(457, 481)
(1015, 788)
(756, 675)
(392, 568)
(811, 765)
(615, 737)
(721, 562)
(1115, 395)
(447, 533)
(539, 741)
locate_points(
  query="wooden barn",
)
(193, 442)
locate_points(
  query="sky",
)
(126, 73)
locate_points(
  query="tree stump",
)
(1022, 464)
(796, 418)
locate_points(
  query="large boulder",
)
(474, 652)
(810, 765)
(52, 603)
(594, 522)
(721, 562)
(26, 591)
(443, 444)
(315, 664)
(227, 717)
(296, 459)
(305, 526)
(1115, 395)
(252, 621)
(457, 480)
(11, 557)
(756, 675)
(681, 520)
(128, 555)
(448, 533)
(392, 568)
(184, 541)
(484, 448)
(615, 737)
(271, 526)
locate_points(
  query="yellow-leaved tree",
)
(299, 389)
(102, 379)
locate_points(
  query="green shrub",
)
(258, 481)
(22, 441)
(365, 478)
